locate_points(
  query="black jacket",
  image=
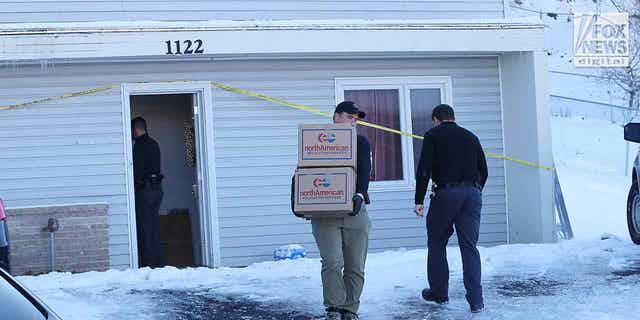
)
(146, 159)
(363, 174)
(450, 154)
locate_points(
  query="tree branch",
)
(616, 5)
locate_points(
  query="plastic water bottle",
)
(293, 251)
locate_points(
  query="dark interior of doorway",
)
(169, 120)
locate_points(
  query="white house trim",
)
(28, 42)
(502, 121)
(247, 25)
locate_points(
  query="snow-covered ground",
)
(569, 280)
(590, 157)
(586, 278)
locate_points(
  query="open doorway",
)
(170, 122)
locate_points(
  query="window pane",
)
(422, 103)
(383, 108)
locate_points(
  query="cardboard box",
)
(324, 192)
(329, 145)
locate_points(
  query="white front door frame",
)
(208, 212)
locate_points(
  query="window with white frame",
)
(401, 103)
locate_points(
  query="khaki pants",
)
(343, 244)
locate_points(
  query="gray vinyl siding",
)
(256, 150)
(35, 11)
(66, 152)
(72, 151)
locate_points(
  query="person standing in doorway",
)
(148, 193)
(453, 158)
(343, 242)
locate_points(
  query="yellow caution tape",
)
(271, 99)
(361, 122)
(74, 94)
(61, 97)
(265, 98)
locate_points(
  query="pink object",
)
(2, 215)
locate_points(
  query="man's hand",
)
(358, 199)
(419, 210)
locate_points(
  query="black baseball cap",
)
(349, 107)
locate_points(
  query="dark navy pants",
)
(457, 206)
(148, 226)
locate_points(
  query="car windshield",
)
(15, 305)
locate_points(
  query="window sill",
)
(392, 187)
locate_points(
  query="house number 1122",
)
(185, 47)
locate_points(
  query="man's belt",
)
(446, 185)
(150, 180)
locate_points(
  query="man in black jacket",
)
(453, 158)
(147, 179)
(343, 242)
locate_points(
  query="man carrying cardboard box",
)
(343, 242)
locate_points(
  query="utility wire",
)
(542, 12)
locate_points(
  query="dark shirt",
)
(450, 154)
(146, 158)
(363, 173)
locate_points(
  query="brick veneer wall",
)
(81, 243)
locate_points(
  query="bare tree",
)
(627, 79)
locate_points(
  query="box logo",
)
(325, 145)
(327, 137)
(601, 40)
(322, 189)
(321, 182)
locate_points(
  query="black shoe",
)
(477, 308)
(348, 315)
(428, 295)
(333, 314)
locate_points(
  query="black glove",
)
(293, 195)
(357, 205)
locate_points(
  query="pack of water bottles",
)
(293, 251)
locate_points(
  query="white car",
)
(17, 303)
(632, 133)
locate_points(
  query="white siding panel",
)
(86, 181)
(71, 151)
(104, 10)
(75, 150)
(254, 253)
(406, 227)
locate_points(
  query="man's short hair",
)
(139, 123)
(443, 112)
